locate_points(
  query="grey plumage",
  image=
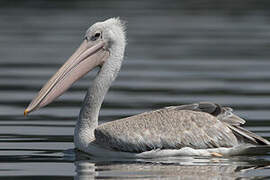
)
(199, 126)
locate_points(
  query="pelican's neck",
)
(93, 99)
(88, 118)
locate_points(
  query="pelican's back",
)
(199, 126)
(168, 128)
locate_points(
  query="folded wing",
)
(200, 126)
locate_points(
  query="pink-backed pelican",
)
(203, 128)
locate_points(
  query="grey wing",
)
(168, 128)
(199, 125)
(225, 114)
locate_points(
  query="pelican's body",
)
(195, 129)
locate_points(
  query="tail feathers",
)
(247, 136)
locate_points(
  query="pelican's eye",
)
(96, 36)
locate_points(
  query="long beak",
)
(84, 59)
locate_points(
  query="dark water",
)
(177, 53)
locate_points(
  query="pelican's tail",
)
(245, 136)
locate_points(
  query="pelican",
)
(203, 128)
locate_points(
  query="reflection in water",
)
(173, 167)
(85, 170)
(185, 168)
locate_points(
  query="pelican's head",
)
(103, 45)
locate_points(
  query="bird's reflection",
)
(176, 168)
(85, 170)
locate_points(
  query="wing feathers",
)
(224, 114)
(247, 136)
(165, 129)
(199, 125)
